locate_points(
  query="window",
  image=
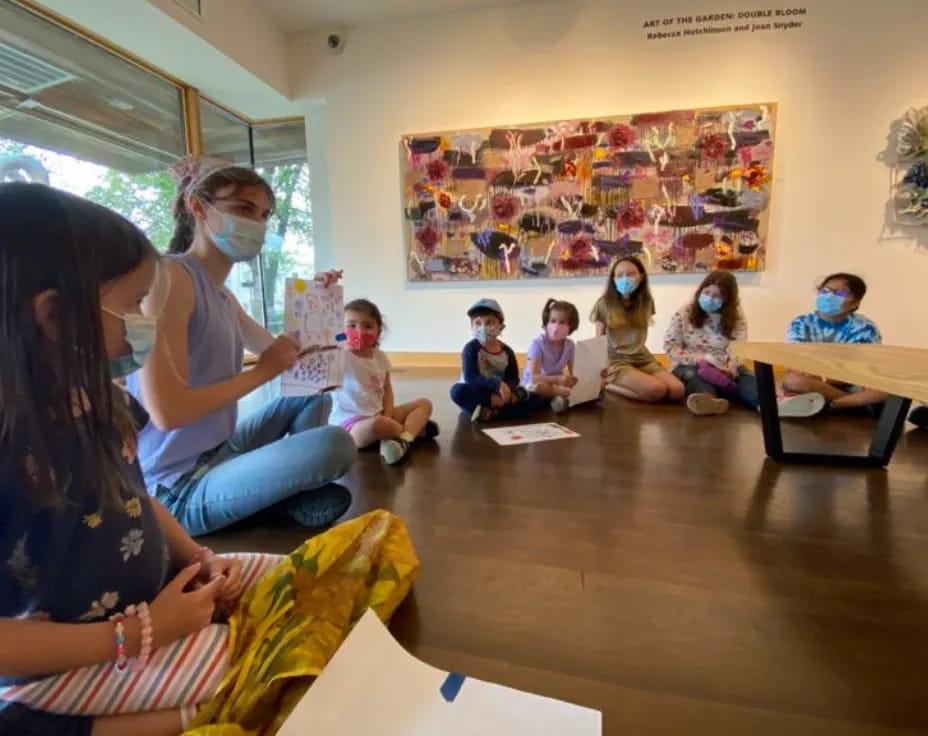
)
(278, 153)
(91, 122)
(87, 121)
(280, 157)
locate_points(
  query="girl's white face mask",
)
(239, 239)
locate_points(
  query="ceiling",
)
(304, 15)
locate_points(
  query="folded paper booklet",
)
(373, 687)
(313, 316)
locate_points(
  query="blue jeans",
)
(745, 381)
(469, 397)
(283, 451)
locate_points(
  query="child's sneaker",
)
(801, 406)
(704, 405)
(430, 431)
(559, 404)
(392, 451)
(482, 414)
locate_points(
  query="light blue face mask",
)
(239, 238)
(140, 334)
(625, 285)
(710, 304)
(829, 303)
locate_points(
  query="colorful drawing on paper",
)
(686, 191)
(313, 316)
(529, 433)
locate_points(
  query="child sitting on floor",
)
(550, 367)
(836, 320)
(490, 387)
(363, 405)
(623, 313)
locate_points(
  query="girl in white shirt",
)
(363, 405)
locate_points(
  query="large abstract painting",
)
(687, 190)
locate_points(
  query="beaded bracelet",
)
(118, 620)
(147, 634)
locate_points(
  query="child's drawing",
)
(313, 316)
(529, 433)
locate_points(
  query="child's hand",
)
(213, 566)
(278, 357)
(176, 612)
(571, 381)
(328, 278)
(505, 392)
(732, 367)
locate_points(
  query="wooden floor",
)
(660, 570)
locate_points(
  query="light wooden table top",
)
(898, 371)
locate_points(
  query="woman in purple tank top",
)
(209, 469)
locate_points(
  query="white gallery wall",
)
(840, 81)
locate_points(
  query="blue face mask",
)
(710, 304)
(625, 285)
(828, 303)
(240, 239)
(140, 334)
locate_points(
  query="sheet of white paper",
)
(589, 363)
(527, 433)
(313, 315)
(373, 687)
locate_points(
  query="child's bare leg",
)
(549, 390)
(156, 723)
(413, 415)
(803, 383)
(496, 401)
(368, 431)
(860, 398)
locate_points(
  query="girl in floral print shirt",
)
(698, 343)
(80, 539)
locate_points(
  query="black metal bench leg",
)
(889, 428)
(769, 413)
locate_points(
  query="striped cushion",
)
(186, 672)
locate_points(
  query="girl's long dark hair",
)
(52, 241)
(639, 309)
(731, 311)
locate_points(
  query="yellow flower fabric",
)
(290, 622)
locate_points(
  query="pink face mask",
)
(358, 340)
(557, 332)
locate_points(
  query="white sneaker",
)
(559, 404)
(801, 406)
(703, 405)
(392, 451)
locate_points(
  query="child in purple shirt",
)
(549, 371)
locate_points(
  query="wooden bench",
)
(900, 372)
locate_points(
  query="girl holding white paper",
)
(205, 467)
(549, 371)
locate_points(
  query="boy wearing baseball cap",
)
(489, 386)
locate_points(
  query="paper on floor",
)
(589, 364)
(373, 687)
(525, 434)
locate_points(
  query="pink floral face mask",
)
(557, 332)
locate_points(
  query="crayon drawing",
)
(313, 316)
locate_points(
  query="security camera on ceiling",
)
(335, 42)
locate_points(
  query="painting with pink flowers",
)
(685, 191)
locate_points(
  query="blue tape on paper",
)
(451, 686)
